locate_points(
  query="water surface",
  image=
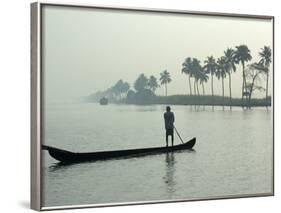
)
(232, 155)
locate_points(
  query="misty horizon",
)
(89, 50)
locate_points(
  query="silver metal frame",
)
(37, 101)
(35, 108)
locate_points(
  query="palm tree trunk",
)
(244, 83)
(197, 88)
(203, 89)
(250, 96)
(195, 98)
(251, 91)
(266, 97)
(203, 95)
(212, 84)
(230, 95)
(190, 91)
(222, 80)
(194, 86)
(166, 89)
(198, 92)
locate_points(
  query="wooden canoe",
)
(72, 157)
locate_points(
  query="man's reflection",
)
(170, 170)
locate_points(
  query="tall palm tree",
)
(221, 73)
(152, 83)
(186, 68)
(203, 77)
(196, 69)
(265, 55)
(210, 67)
(230, 67)
(165, 78)
(242, 55)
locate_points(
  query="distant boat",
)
(103, 101)
(72, 157)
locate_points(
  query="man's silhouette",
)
(169, 124)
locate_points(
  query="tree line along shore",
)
(255, 79)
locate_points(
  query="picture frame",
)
(39, 106)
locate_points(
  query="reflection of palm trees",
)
(170, 170)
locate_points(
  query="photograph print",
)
(145, 106)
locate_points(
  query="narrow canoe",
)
(72, 157)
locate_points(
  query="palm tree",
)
(265, 55)
(242, 55)
(230, 66)
(221, 73)
(210, 68)
(141, 83)
(203, 77)
(196, 69)
(186, 68)
(152, 83)
(165, 78)
(253, 73)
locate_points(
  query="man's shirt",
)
(169, 120)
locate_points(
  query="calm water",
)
(232, 156)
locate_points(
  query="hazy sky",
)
(86, 50)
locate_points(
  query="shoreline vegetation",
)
(255, 79)
(187, 100)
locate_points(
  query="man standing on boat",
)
(169, 124)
